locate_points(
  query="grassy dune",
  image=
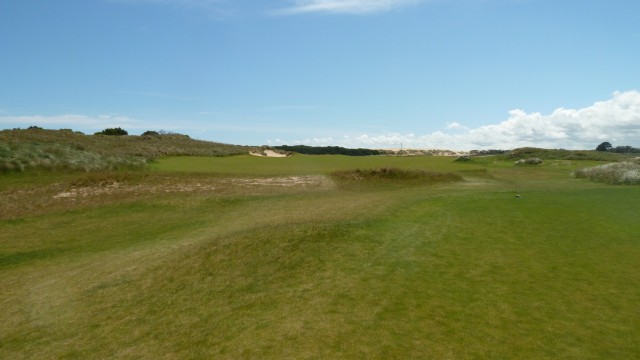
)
(68, 150)
(238, 258)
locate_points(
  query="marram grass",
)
(623, 172)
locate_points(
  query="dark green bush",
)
(605, 146)
(463, 158)
(113, 131)
(327, 150)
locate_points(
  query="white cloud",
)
(456, 126)
(345, 6)
(616, 120)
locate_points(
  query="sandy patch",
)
(426, 152)
(219, 184)
(119, 188)
(277, 181)
(268, 153)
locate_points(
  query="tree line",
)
(626, 149)
(327, 150)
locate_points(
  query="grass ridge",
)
(66, 149)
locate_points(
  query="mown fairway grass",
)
(301, 164)
(360, 270)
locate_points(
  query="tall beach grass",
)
(624, 172)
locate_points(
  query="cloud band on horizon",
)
(616, 120)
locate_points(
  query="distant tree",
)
(150, 133)
(33, 127)
(113, 131)
(605, 146)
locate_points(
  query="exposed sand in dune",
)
(268, 153)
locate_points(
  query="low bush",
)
(624, 172)
(113, 132)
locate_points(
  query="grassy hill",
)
(562, 154)
(66, 149)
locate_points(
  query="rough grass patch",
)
(561, 154)
(393, 173)
(529, 161)
(51, 156)
(624, 172)
(64, 149)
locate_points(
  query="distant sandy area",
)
(268, 153)
(432, 152)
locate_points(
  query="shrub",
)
(113, 131)
(463, 158)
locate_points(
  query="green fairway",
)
(301, 164)
(231, 257)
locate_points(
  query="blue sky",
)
(454, 74)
